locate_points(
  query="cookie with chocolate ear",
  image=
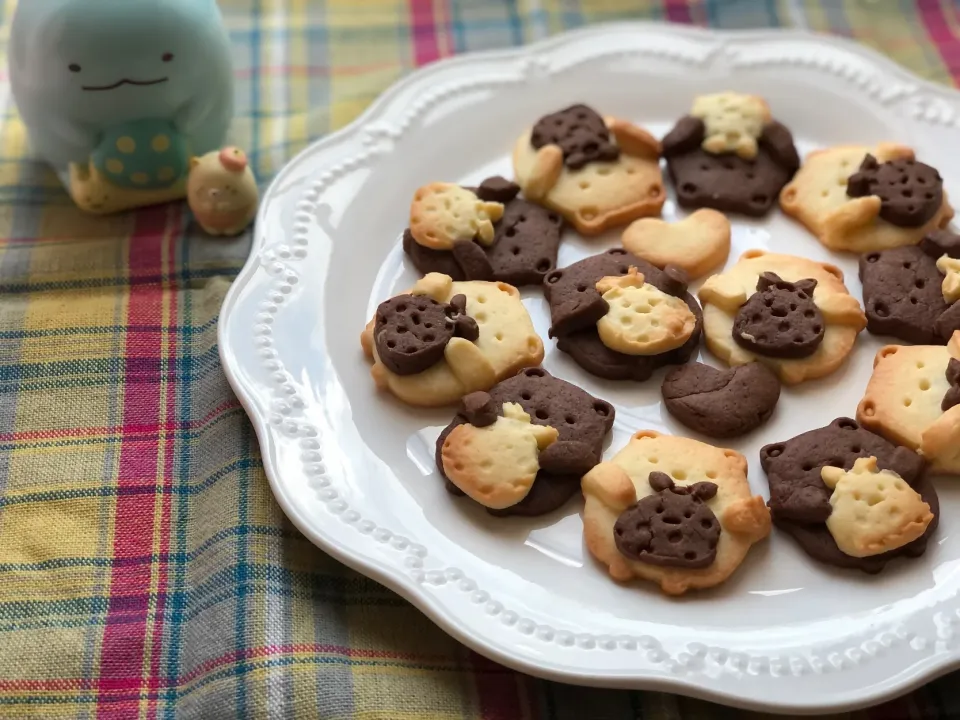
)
(730, 155)
(780, 319)
(581, 420)
(596, 172)
(522, 249)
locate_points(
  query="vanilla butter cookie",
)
(729, 154)
(596, 172)
(911, 400)
(790, 313)
(445, 339)
(486, 454)
(671, 510)
(860, 199)
(482, 233)
(696, 244)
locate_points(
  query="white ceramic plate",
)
(354, 469)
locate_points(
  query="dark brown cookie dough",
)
(727, 182)
(576, 306)
(910, 192)
(819, 544)
(952, 396)
(581, 420)
(902, 295)
(524, 247)
(412, 331)
(941, 242)
(721, 403)
(580, 133)
(800, 501)
(674, 527)
(781, 319)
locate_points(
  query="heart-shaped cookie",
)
(697, 244)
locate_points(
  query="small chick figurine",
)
(222, 191)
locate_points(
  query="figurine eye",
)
(73, 67)
(167, 57)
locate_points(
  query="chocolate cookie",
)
(952, 396)
(941, 242)
(576, 306)
(581, 420)
(721, 403)
(780, 319)
(800, 501)
(910, 192)
(412, 331)
(580, 133)
(524, 247)
(818, 543)
(725, 181)
(674, 527)
(793, 467)
(902, 296)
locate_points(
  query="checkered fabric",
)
(145, 570)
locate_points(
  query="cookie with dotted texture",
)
(613, 488)
(904, 401)
(577, 306)
(505, 344)
(581, 420)
(730, 155)
(523, 248)
(724, 295)
(819, 198)
(596, 172)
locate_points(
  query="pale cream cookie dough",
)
(911, 400)
(506, 343)
(723, 295)
(818, 198)
(442, 214)
(596, 172)
(732, 122)
(641, 319)
(697, 243)
(617, 520)
(496, 464)
(873, 511)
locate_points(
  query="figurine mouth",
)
(125, 81)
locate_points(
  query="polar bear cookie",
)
(790, 313)
(696, 244)
(729, 154)
(596, 172)
(859, 199)
(911, 400)
(671, 510)
(873, 511)
(433, 325)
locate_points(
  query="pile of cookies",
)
(674, 510)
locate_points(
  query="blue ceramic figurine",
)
(119, 95)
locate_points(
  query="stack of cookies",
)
(673, 510)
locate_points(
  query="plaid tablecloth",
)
(145, 570)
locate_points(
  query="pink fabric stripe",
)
(122, 651)
(423, 31)
(948, 44)
(678, 11)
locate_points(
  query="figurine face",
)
(80, 67)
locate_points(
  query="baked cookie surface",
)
(580, 420)
(596, 172)
(801, 501)
(729, 154)
(857, 198)
(673, 511)
(910, 400)
(519, 247)
(792, 314)
(696, 244)
(620, 318)
(504, 341)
